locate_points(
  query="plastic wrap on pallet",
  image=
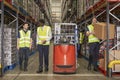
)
(23, 11)
(25, 3)
(10, 43)
(80, 7)
(0, 44)
(30, 7)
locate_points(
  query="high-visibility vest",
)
(24, 39)
(43, 34)
(81, 37)
(91, 37)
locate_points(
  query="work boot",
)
(96, 69)
(46, 69)
(89, 67)
(79, 56)
(26, 69)
(39, 71)
(20, 68)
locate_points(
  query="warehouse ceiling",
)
(56, 10)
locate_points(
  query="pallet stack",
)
(10, 43)
(0, 45)
(25, 3)
(34, 10)
(9, 46)
(30, 7)
(80, 8)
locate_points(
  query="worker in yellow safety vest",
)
(81, 38)
(24, 43)
(44, 36)
(93, 46)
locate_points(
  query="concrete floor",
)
(82, 72)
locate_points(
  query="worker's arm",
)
(36, 39)
(18, 40)
(89, 33)
(49, 36)
(31, 43)
(37, 36)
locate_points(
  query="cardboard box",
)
(100, 30)
(116, 54)
(117, 66)
(102, 63)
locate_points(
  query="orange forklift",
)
(65, 48)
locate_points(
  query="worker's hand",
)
(44, 41)
(18, 47)
(30, 47)
(92, 32)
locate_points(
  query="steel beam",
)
(2, 37)
(107, 35)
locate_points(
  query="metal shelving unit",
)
(45, 9)
(104, 10)
(14, 18)
(69, 10)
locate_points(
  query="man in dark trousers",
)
(93, 46)
(44, 36)
(24, 43)
(81, 38)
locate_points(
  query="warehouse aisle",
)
(82, 72)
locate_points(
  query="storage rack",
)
(45, 8)
(69, 10)
(10, 15)
(16, 14)
(104, 10)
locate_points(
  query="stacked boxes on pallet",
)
(0, 45)
(10, 43)
(102, 55)
(84, 5)
(100, 30)
(25, 2)
(80, 8)
(30, 7)
(37, 13)
(9, 46)
(116, 56)
(34, 10)
(17, 3)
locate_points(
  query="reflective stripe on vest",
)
(91, 37)
(24, 38)
(43, 33)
